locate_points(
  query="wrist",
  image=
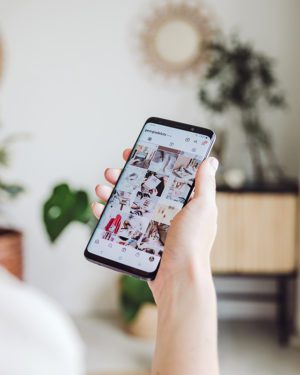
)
(193, 279)
(198, 270)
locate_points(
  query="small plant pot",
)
(144, 323)
(11, 255)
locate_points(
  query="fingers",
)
(97, 209)
(205, 183)
(112, 175)
(191, 196)
(103, 192)
(126, 153)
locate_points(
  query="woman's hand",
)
(186, 340)
(191, 234)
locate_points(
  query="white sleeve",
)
(36, 336)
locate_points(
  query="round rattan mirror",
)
(173, 38)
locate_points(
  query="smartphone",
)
(156, 182)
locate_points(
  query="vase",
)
(11, 255)
(144, 323)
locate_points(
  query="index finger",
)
(126, 153)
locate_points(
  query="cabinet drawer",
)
(256, 233)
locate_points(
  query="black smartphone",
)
(156, 182)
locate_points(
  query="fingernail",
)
(214, 163)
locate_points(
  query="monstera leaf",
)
(64, 207)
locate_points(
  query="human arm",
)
(183, 289)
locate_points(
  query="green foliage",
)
(134, 293)
(7, 190)
(63, 207)
(238, 76)
(242, 78)
(11, 189)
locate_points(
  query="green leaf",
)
(3, 156)
(238, 76)
(64, 207)
(11, 189)
(129, 309)
(134, 294)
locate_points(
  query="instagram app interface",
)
(152, 189)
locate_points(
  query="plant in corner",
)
(241, 78)
(10, 239)
(65, 206)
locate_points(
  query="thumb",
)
(205, 182)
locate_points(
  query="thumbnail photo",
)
(143, 205)
(131, 230)
(111, 224)
(120, 200)
(132, 241)
(132, 226)
(164, 213)
(111, 218)
(179, 190)
(153, 184)
(109, 236)
(132, 178)
(186, 166)
(154, 239)
(142, 156)
(164, 160)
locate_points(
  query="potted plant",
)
(65, 206)
(10, 239)
(240, 78)
(137, 307)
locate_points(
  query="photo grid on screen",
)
(151, 191)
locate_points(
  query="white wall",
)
(73, 83)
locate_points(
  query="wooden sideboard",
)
(257, 233)
(257, 238)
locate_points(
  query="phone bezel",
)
(120, 267)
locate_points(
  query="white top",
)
(36, 336)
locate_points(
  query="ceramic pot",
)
(144, 324)
(11, 255)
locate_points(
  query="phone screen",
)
(154, 186)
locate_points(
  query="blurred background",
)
(78, 80)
